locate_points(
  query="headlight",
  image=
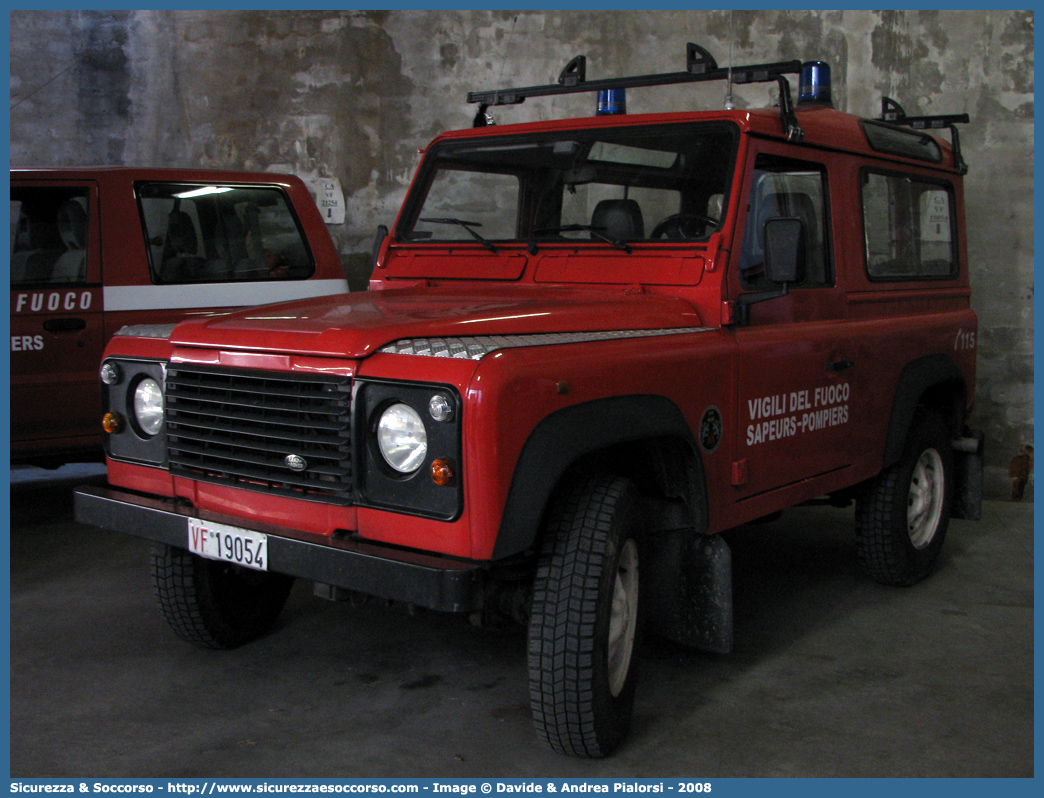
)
(133, 410)
(410, 460)
(148, 406)
(402, 439)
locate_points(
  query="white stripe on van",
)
(215, 295)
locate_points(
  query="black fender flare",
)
(917, 379)
(567, 435)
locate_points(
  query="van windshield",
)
(608, 185)
(221, 233)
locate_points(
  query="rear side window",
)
(219, 233)
(49, 232)
(909, 227)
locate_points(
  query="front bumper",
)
(423, 580)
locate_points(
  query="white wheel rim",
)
(623, 620)
(925, 502)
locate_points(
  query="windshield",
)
(610, 185)
(222, 233)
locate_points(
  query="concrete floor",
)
(832, 675)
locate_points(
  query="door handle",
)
(64, 325)
(835, 366)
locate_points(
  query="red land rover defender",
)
(589, 346)
(95, 249)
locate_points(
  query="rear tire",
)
(584, 625)
(902, 516)
(215, 604)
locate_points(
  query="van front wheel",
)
(215, 604)
(584, 626)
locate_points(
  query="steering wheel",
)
(683, 225)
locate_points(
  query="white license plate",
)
(228, 543)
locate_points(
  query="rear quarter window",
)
(909, 226)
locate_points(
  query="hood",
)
(356, 325)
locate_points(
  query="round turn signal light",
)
(443, 472)
(112, 422)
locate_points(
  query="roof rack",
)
(893, 113)
(699, 66)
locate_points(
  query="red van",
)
(96, 249)
(589, 346)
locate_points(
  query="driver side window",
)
(785, 188)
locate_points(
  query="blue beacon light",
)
(610, 102)
(815, 83)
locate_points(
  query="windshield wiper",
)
(467, 226)
(596, 232)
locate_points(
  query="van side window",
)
(49, 232)
(908, 225)
(786, 188)
(203, 234)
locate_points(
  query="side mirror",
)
(785, 250)
(382, 233)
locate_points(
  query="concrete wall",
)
(354, 94)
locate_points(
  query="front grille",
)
(239, 427)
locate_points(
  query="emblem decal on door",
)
(710, 429)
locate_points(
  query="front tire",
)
(902, 516)
(584, 625)
(215, 604)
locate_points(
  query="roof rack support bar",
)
(699, 66)
(698, 61)
(786, 111)
(892, 112)
(575, 72)
(958, 159)
(750, 74)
